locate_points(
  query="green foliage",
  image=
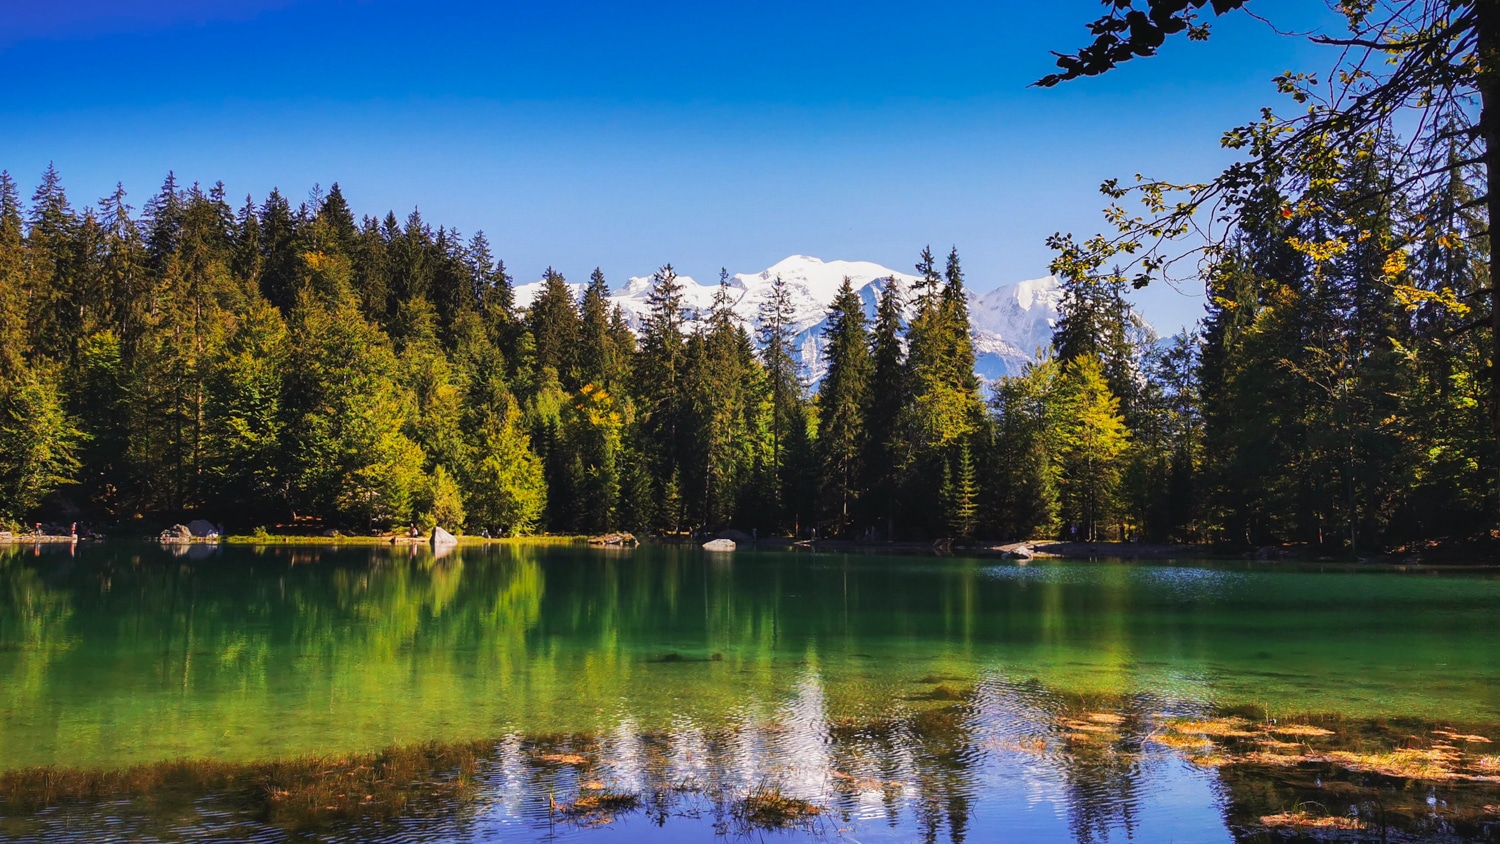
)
(348, 415)
(887, 446)
(1348, 257)
(38, 442)
(508, 493)
(277, 363)
(441, 503)
(842, 401)
(960, 494)
(1091, 437)
(945, 413)
(1028, 411)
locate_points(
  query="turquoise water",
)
(670, 666)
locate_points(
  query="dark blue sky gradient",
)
(629, 135)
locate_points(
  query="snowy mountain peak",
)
(1009, 323)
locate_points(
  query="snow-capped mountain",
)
(1009, 323)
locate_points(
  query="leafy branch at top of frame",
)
(1418, 59)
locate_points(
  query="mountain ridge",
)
(1009, 323)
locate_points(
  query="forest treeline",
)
(282, 362)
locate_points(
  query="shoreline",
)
(1456, 556)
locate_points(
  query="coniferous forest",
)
(276, 364)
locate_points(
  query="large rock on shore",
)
(176, 533)
(442, 538)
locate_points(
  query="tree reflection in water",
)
(901, 699)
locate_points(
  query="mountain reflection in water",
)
(903, 699)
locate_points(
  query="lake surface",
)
(933, 699)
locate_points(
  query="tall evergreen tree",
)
(554, 325)
(843, 399)
(886, 443)
(774, 332)
(1091, 439)
(660, 371)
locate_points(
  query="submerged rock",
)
(719, 545)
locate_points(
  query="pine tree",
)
(1091, 438)
(945, 411)
(886, 444)
(723, 394)
(660, 371)
(246, 450)
(598, 359)
(280, 249)
(508, 492)
(1028, 411)
(1094, 319)
(347, 413)
(960, 494)
(49, 263)
(774, 332)
(843, 399)
(553, 323)
(338, 224)
(15, 340)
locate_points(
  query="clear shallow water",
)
(916, 698)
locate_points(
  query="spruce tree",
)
(722, 389)
(554, 326)
(960, 494)
(281, 252)
(346, 411)
(508, 493)
(659, 377)
(1091, 437)
(774, 332)
(598, 359)
(15, 340)
(1029, 413)
(886, 443)
(843, 399)
(945, 411)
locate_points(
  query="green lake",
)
(914, 698)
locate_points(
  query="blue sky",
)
(580, 133)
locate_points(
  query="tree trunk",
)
(1488, 34)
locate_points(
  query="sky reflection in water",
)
(917, 699)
